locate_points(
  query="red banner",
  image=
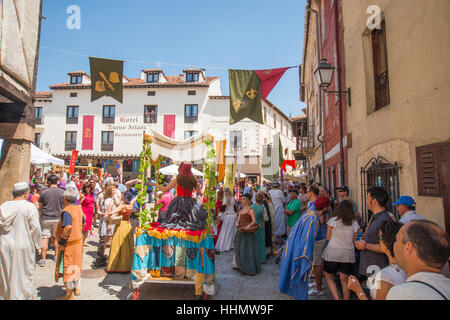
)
(73, 160)
(269, 78)
(290, 163)
(88, 133)
(169, 126)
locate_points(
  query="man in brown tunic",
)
(69, 238)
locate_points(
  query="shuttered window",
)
(428, 158)
(380, 65)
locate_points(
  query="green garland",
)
(145, 216)
(210, 177)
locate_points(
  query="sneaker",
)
(41, 263)
(314, 292)
(312, 285)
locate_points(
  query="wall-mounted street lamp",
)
(324, 76)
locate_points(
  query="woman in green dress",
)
(246, 258)
(261, 217)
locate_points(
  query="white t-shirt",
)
(391, 274)
(341, 248)
(419, 291)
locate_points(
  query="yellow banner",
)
(230, 175)
(220, 153)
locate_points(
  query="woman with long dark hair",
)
(87, 205)
(184, 211)
(339, 255)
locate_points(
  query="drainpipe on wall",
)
(321, 140)
(338, 76)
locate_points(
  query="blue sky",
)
(214, 34)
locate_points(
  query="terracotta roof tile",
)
(133, 82)
(44, 94)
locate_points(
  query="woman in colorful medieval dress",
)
(261, 217)
(184, 211)
(225, 241)
(122, 242)
(246, 257)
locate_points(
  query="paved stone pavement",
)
(96, 284)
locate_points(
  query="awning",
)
(172, 170)
(190, 150)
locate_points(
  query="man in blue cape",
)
(298, 252)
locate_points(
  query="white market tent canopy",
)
(172, 170)
(40, 157)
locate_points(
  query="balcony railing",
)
(72, 120)
(70, 147)
(39, 121)
(107, 147)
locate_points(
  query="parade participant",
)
(270, 238)
(297, 256)
(382, 281)
(127, 197)
(50, 206)
(166, 199)
(225, 240)
(219, 209)
(421, 249)
(185, 211)
(87, 205)
(100, 259)
(280, 219)
(69, 242)
(122, 243)
(339, 255)
(108, 205)
(20, 236)
(261, 217)
(246, 257)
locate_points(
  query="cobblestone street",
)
(96, 284)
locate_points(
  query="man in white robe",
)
(280, 220)
(20, 236)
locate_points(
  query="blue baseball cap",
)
(405, 200)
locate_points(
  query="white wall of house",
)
(213, 118)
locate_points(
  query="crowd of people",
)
(303, 229)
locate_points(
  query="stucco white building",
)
(191, 102)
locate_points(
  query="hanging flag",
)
(220, 153)
(247, 87)
(88, 133)
(290, 163)
(73, 160)
(169, 126)
(245, 96)
(106, 78)
(272, 159)
(230, 174)
(269, 79)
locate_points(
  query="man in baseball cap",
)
(407, 210)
